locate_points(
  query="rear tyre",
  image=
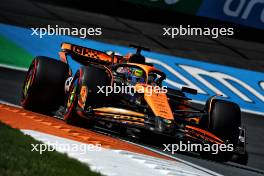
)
(83, 93)
(43, 89)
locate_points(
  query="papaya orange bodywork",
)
(91, 53)
(206, 134)
(158, 101)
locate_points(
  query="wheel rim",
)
(29, 81)
(71, 99)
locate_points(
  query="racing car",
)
(147, 106)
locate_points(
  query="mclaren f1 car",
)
(146, 107)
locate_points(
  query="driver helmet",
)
(137, 76)
(138, 72)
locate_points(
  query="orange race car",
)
(125, 92)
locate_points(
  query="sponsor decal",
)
(245, 12)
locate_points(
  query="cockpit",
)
(134, 74)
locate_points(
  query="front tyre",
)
(240, 158)
(224, 120)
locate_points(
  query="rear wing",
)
(85, 55)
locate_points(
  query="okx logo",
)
(243, 8)
(245, 12)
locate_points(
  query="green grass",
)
(11, 54)
(17, 159)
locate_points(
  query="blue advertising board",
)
(245, 12)
(242, 86)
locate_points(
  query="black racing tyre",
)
(83, 92)
(240, 158)
(225, 120)
(43, 89)
(95, 76)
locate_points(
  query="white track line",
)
(13, 67)
(252, 112)
(120, 162)
(9, 104)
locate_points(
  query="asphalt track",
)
(10, 91)
(123, 31)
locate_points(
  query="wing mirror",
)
(189, 90)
